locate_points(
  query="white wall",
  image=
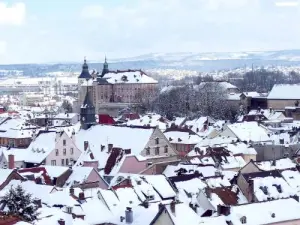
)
(60, 147)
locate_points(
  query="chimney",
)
(127, 151)
(160, 206)
(81, 196)
(71, 191)
(128, 215)
(38, 202)
(223, 210)
(172, 206)
(11, 161)
(110, 147)
(251, 191)
(85, 145)
(61, 222)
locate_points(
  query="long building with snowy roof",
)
(120, 86)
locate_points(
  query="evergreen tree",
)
(67, 106)
(21, 204)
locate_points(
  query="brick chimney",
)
(81, 196)
(61, 222)
(85, 145)
(11, 161)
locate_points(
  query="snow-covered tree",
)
(20, 203)
(67, 106)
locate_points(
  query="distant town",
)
(101, 145)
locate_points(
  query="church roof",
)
(85, 74)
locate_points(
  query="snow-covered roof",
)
(292, 177)
(55, 171)
(129, 77)
(251, 94)
(207, 171)
(285, 91)
(152, 120)
(91, 209)
(66, 116)
(219, 220)
(183, 215)
(269, 114)
(4, 174)
(271, 187)
(79, 175)
(249, 131)
(279, 164)
(218, 182)
(161, 185)
(282, 210)
(232, 162)
(240, 148)
(217, 141)
(41, 147)
(121, 137)
(234, 96)
(182, 137)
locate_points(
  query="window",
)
(62, 162)
(71, 151)
(243, 220)
(166, 149)
(56, 152)
(148, 151)
(157, 151)
(157, 141)
(64, 142)
(53, 162)
(67, 162)
(65, 151)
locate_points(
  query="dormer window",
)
(150, 197)
(243, 220)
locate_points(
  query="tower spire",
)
(105, 69)
(85, 73)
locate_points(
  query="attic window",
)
(157, 151)
(166, 149)
(148, 151)
(243, 220)
(56, 152)
(157, 141)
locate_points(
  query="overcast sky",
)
(67, 30)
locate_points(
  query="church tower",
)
(85, 73)
(87, 111)
(105, 68)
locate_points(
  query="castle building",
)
(115, 88)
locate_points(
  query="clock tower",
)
(87, 111)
